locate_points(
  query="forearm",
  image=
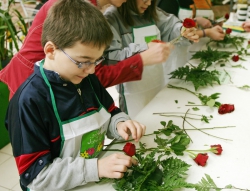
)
(124, 71)
(67, 173)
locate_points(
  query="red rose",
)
(218, 149)
(201, 159)
(226, 16)
(129, 149)
(157, 41)
(228, 31)
(226, 108)
(189, 23)
(235, 58)
(248, 42)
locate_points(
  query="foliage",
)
(12, 29)
(205, 100)
(236, 41)
(197, 75)
(210, 56)
(157, 169)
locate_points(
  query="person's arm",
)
(124, 71)
(35, 139)
(215, 33)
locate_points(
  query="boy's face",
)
(68, 70)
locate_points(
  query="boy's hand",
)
(115, 165)
(130, 127)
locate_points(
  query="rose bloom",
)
(201, 159)
(226, 108)
(218, 149)
(228, 31)
(157, 41)
(189, 23)
(129, 149)
(226, 16)
(235, 58)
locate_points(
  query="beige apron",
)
(136, 94)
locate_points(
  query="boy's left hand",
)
(130, 127)
(190, 34)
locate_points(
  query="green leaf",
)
(195, 108)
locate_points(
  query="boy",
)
(58, 118)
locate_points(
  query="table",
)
(233, 166)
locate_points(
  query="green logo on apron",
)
(92, 143)
(148, 39)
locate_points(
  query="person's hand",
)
(246, 26)
(204, 23)
(156, 53)
(130, 127)
(115, 165)
(215, 33)
(190, 34)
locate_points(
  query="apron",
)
(83, 135)
(135, 95)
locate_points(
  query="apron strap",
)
(51, 93)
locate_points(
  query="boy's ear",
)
(49, 50)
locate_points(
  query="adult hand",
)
(246, 26)
(156, 53)
(115, 165)
(215, 33)
(130, 127)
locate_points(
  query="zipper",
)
(79, 92)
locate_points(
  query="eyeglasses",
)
(80, 64)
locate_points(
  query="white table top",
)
(232, 166)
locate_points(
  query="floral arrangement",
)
(158, 170)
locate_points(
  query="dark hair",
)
(131, 5)
(70, 21)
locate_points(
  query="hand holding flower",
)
(130, 127)
(115, 165)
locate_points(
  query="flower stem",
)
(207, 133)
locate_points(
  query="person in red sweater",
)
(22, 64)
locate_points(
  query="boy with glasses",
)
(58, 118)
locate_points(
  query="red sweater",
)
(22, 64)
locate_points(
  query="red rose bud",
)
(228, 31)
(157, 41)
(226, 108)
(248, 42)
(189, 23)
(226, 16)
(129, 149)
(217, 149)
(235, 58)
(201, 159)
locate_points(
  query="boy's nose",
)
(90, 69)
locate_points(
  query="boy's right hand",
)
(156, 53)
(115, 165)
